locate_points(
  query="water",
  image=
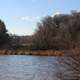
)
(36, 68)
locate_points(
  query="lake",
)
(39, 68)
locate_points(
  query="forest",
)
(58, 32)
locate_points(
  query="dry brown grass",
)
(69, 52)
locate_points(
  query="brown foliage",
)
(58, 32)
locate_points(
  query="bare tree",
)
(58, 32)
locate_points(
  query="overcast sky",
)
(21, 16)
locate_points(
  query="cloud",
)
(29, 18)
(56, 13)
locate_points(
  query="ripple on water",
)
(37, 68)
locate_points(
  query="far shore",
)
(69, 52)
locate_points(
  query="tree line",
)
(59, 32)
(62, 31)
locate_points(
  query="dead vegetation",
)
(69, 52)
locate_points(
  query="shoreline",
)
(69, 52)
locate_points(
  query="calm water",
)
(36, 68)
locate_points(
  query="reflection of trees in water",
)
(39, 68)
(69, 68)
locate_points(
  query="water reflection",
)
(37, 68)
